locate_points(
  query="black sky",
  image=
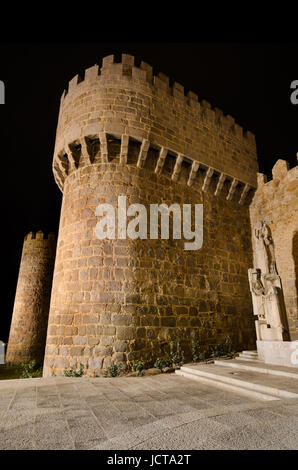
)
(251, 82)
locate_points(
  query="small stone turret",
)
(30, 314)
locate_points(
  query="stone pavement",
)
(158, 412)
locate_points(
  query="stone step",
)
(225, 386)
(247, 353)
(247, 382)
(259, 366)
(246, 358)
(250, 353)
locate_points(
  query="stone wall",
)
(125, 300)
(277, 201)
(31, 307)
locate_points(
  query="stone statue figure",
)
(266, 289)
(266, 250)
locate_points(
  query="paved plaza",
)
(153, 412)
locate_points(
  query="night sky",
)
(251, 82)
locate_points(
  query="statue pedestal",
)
(280, 353)
(269, 334)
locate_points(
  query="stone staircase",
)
(246, 375)
(248, 356)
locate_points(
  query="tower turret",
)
(31, 307)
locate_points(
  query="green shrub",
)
(229, 347)
(197, 353)
(138, 366)
(71, 372)
(176, 353)
(30, 370)
(114, 370)
(216, 350)
(162, 363)
(224, 349)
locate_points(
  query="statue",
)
(266, 289)
(265, 253)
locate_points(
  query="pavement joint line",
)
(92, 412)
(139, 406)
(210, 414)
(12, 399)
(34, 440)
(66, 422)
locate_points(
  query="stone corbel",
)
(207, 179)
(177, 167)
(84, 152)
(72, 165)
(143, 153)
(220, 184)
(58, 179)
(60, 166)
(103, 147)
(244, 193)
(161, 160)
(232, 189)
(193, 172)
(124, 148)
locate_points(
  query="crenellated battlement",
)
(160, 83)
(128, 103)
(280, 171)
(40, 235)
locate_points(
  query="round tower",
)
(31, 307)
(124, 132)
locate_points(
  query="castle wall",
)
(277, 201)
(31, 307)
(124, 132)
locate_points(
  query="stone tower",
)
(31, 307)
(124, 132)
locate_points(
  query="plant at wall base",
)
(162, 363)
(216, 350)
(114, 370)
(139, 367)
(72, 372)
(224, 349)
(176, 353)
(31, 370)
(197, 353)
(229, 347)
